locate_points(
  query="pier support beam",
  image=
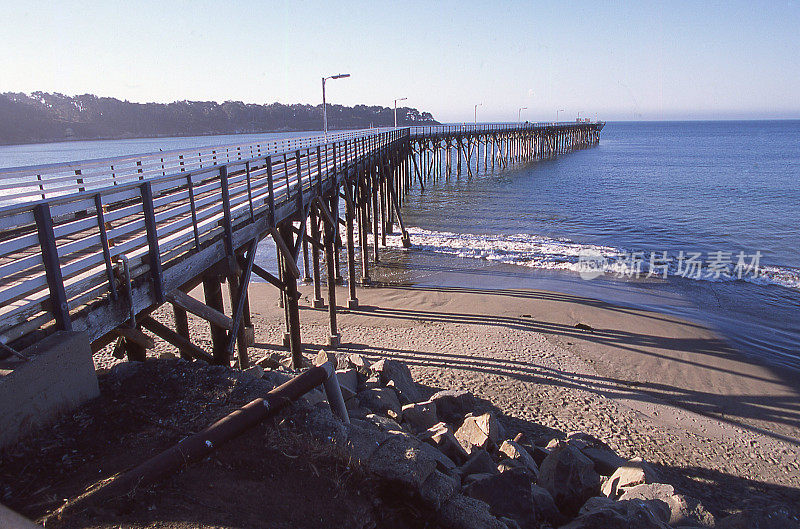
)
(292, 297)
(212, 291)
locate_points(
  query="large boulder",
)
(437, 489)
(363, 440)
(545, 505)
(569, 477)
(684, 510)
(441, 436)
(479, 463)
(401, 460)
(452, 405)
(509, 495)
(383, 423)
(421, 415)
(397, 375)
(481, 432)
(633, 472)
(607, 514)
(381, 400)
(443, 462)
(463, 512)
(761, 518)
(516, 452)
(359, 363)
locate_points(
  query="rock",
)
(582, 440)
(544, 504)
(509, 495)
(606, 461)
(516, 452)
(400, 459)
(340, 361)
(323, 426)
(363, 440)
(348, 382)
(569, 477)
(271, 361)
(478, 432)
(381, 400)
(124, 370)
(538, 454)
(475, 477)
(166, 355)
(352, 404)
(633, 472)
(479, 463)
(383, 423)
(607, 514)
(373, 381)
(760, 518)
(441, 436)
(437, 489)
(462, 512)
(359, 363)
(398, 374)
(313, 397)
(683, 510)
(453, 405)
(443, 462)
(421, 415)
(255, 371)
(509, 464)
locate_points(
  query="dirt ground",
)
(272, 476)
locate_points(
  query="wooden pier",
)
(97, 246)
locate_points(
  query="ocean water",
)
(724, 194)
(676, 193)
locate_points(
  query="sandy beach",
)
(718, 426)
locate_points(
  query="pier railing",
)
(65, 228)
(18, 184)
(61, 254)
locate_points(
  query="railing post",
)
(193, 207)
(52, 267)
(101, 224)
(226, 209)
(271, 192)
(152, 240)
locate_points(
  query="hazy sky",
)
(616, 60)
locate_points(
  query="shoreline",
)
(647, 384)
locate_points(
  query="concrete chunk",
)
(59, 377)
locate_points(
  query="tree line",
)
(43, 117)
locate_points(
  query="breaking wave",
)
(535, 251)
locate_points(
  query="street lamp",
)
(476, 112)
(519, 115)
(557, 111)
(395, 109)
(324, 104)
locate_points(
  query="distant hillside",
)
(41, 117)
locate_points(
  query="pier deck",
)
(96, 246)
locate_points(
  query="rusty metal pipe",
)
(334, 393)
(197, 446)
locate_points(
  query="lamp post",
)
(519, 115)
(395, 109)
(557, 111)
(324, 104)
(476, 112)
